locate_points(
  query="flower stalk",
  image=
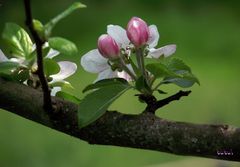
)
(125, 68)
(141, 65)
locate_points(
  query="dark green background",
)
(207, 34)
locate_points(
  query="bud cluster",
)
(137, 33)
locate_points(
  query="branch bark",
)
(144, 131)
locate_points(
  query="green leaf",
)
(95, 104)
(105, 82)
(177, 64)
(52, 23)
(160, 70)
(68, 97)
(6, 66)
(20, 41)
(50, 66)
(161, 91)
(142, 86)
(21, 75)
(186, 80)
(64, 46)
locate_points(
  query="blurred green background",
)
(207, 34)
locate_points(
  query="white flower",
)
(94, 62)
(3, 58)
(120, 36)
(67, 68)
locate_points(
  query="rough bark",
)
(144, 131)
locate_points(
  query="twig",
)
(169, 99)
(39, 43)
(153, 104)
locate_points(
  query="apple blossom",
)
(120, 36)
(94, 62)
(67, 69)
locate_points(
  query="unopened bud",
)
(137, 31)
(108, 47)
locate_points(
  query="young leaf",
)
(177, 64)
(64, 46)
(105, 82)
(142, 86)
(38, 26)
(52, 23)
(161, 91)
(21, 75)
(50, 67)
(6, 66)
(95, 104)
(20, 41)
(160, 70)
(187, 80)
(68, 97)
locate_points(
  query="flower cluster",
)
(112, 59)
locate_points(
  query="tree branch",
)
(144, 131)
(40, 71)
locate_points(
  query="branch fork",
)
(153, 104)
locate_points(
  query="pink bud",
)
(137, 31)
(108, 47)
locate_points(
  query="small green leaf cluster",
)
(171, 71)
(22, 64)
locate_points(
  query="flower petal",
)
(154, 36)
(94, 62)
(124, 75)
(19, 60)
(3, 57)
(55, 90)
(165, 51)
(108, 73)
(67, 69)
(52, 53)
(119, 35)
